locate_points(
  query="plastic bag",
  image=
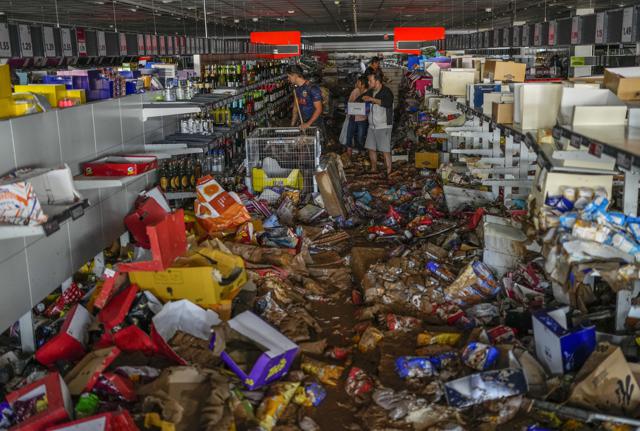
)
(343, 132)
(216, 209)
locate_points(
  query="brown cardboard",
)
(606, 383)
(502, 113)
(86, 372)
(504, 71)
(624, 88)
(427, 159)
(330, 194)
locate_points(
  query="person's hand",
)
(304, 126)
(367, 98)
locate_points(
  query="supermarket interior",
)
(233, 215)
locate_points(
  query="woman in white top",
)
(357, 129)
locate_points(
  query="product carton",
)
(111, 421)
(278, 351)
(581, 96)
(536, 105)
(454, 83)
(560, 349)
(84, 376)
(59, 405)
(504, 71)
(485, 386)
(502, 113)
(120, 166)
(427, 159)
(624, 82)
(69, 343)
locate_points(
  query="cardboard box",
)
(331, 194)
(427, 159)
(502, 113)
(111, 421)
(454, 83)
(550, 183)
(581, 96)
(69, 343)
(194, 277)
(84, 376)
(536, 106)
(476, 93)
(624, 82)
(504, 71)
(278, 351)
(354, 108)
(120, 166)
(560, 349)
(59, 404)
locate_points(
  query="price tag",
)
(26, 48)
(600, 27)
(102, 44)
(49, 45)
(140, 44)
(595, 149)
(552, 33)
(123, 44)
(109, 273)
(162, 45)
(575, 30)
(81, 37)
(65, 36)
(623, 161)
(576, 141)
(5, 41)
(627, 24)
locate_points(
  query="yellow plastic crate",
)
(53, 92)
(260, 180)
(206, 277)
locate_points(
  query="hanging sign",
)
(140, 44)
(123, 43)
(102, 44)
(81, 37)
(162, 46)
(537, 34)
(65, 36)
(49, 44)
(154, 44)
(552, 33)
(147, 44)
(26, 48)
(5, 41)
(169, 45)
(600, 27)
(627, 24)
(575, 30)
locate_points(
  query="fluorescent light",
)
(133, 9)
(291, 11)
(236, 20)
(254, 19)
(336, 2)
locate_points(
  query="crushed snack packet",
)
(479, 356)
(358, 385)
(442, 338)
(326, 373)
(274, 404)
(310, 395)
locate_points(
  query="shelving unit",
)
(60, 214)
(82, 182)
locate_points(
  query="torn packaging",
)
(485, 386)
(607, 383)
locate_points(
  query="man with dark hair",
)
(308, 100)
(374, 66)
(380, 121)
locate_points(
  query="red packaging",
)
(59, 404)
(356, 297)
(69, 343)
(146, 212)
(381, 230)
(168, 240)
(113, 281)
(119, 166)
(501, 334)
(116, 386)
(339, 353)
(83, 377)
(402, 323)
(358, 385)
(69, 297)
(111, 421)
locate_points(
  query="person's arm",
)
(316, 114)
(354, 95)
(294, 113)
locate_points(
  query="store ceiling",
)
(313, 17)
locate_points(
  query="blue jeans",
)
(356, 134)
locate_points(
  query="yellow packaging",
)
(261, 180)
(274, 404)
(442, 339)
(5, 81)
(206, 277)
(427, 159)
(78, 95)
(53, 92)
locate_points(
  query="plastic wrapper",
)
(453, 315)
(310, 395)
(70, 296)
(393, 217)
(381, 231)
(402, 323)
(274, 404)
(24, 409)
(440, 271)
(216, 209)
(358, 385)
(484, 313)
(409, 367)
(559, 203)
(474, 285)
(87, 405)
(591, 231)
(369, 339)
(6, 415)
(339, 353)
(479, 356)
(20, 205)
(326, 373)
(440, 338)
(485, 386)
(501, 334)
(282, 237)
(246, 234)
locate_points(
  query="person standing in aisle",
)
(307, 105)
(374, 67)
(357, 129)
(380, 121)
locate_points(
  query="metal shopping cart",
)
(283, 156)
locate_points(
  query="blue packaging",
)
(633, 226)
(480, 356)
(479, 91)
(559, 203)
(617, 219)
(567, 220)
(316, 393)
(409, 367)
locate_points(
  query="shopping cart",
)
(273, 153)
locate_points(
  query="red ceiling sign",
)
(416, 34)
(283, 39)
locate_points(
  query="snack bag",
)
(216, 209)
(274, 404)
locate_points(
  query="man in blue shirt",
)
(309, 100)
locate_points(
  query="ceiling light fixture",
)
(237, 21)
(254, 19)
(133, 9)
(336, 2)
(98, 2)
(291, 11)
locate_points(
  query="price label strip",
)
(624, 161)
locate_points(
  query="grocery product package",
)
(218, 210)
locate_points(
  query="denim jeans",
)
(356, 134)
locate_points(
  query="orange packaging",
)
(216, 209)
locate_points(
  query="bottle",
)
(164, 180)
(197, 169)
(184, 176)
(192, 175)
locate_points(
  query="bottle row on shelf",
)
(238, 74)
